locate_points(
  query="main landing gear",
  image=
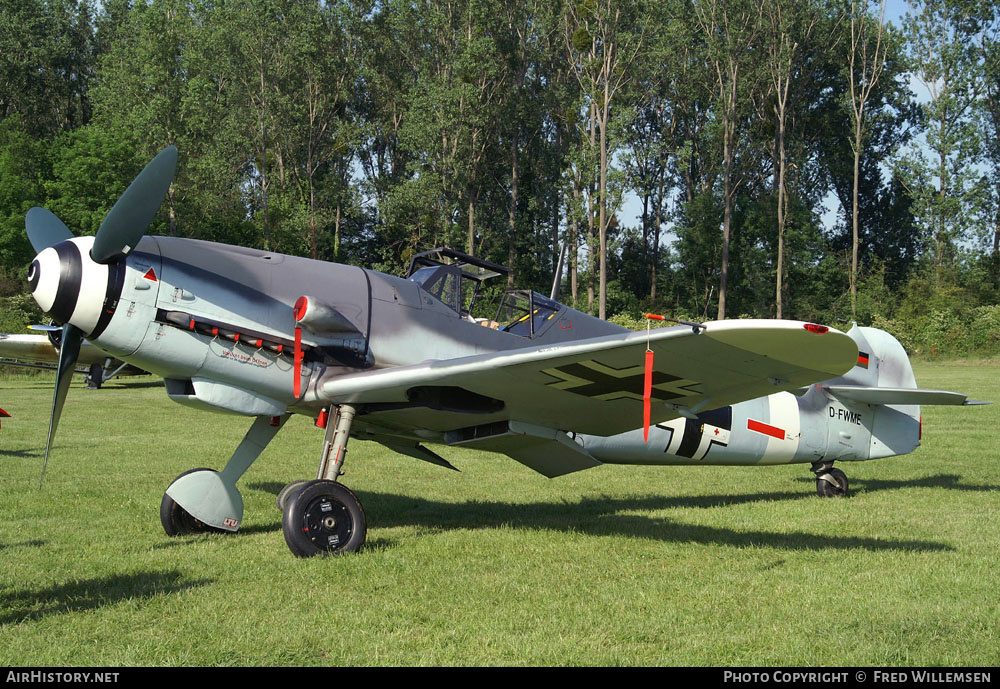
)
(830, 482)
(323, 517)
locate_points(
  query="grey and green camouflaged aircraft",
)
(401, 361)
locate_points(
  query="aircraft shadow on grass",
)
(90, 594)
(948, 481)
(24, 544)
(20, 453)
(603, 517)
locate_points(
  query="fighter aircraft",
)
(403, 361)
(42, 351)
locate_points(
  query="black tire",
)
(825, 489)
(95, 378)
(177, 521)
(323, 518)
(285, 494)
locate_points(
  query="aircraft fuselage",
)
(216, 322)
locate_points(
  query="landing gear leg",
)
(206, 498)
(335, 443)
(323, 517)
(830, 482)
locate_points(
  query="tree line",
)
(794, 159)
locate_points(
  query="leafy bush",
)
(18, 312)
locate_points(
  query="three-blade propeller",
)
(118, 235)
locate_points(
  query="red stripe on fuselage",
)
(766, 429)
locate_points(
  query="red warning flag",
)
(647, 394)
(297, 368)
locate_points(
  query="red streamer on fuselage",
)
(297, 368)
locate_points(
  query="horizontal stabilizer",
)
(876, 395)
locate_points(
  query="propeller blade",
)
(128, 219)
(72, 338)
(45, 229)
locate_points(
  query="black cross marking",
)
(581, 379)
(693, 431)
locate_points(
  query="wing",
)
(38, 348)
(595, 386)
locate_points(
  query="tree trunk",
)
(313, 251)
(574, 234)
(854, 221)
(779, 273)
(591, 229)
(512, 215)
(472, 224)
(603, 219)
(727, 216)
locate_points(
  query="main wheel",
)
(177, 521)
(323, 518)
(825, 489)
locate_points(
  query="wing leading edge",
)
(595, 386)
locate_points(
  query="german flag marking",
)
(863, 359)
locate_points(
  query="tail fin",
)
(883, 375)
(883, 378)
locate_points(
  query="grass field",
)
(494, 565)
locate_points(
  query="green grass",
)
(494, 565)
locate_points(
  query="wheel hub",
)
(327, 523)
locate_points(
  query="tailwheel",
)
(323, 518)
(177, 521)
(832, 484)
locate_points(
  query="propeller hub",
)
(70, 287)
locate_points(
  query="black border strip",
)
(113, 293)
(70, 279)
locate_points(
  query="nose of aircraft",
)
(77, 280)
(44, 282)
(68, 285)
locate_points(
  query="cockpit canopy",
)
(455, 279)
(525, 313)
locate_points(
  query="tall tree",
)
(602, 41)
(790, 51)
(141, 81)
(866, 56)
(318, 136)
(988, 43)
(46, 63)
(732, 30)
(943, 57)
